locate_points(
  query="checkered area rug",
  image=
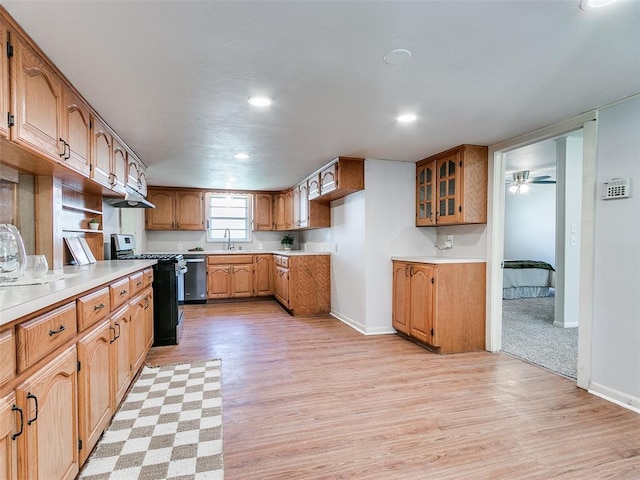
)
(168, 427)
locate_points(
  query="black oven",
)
(168, 275)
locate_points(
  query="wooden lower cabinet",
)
(10, 422)
(140, 328)
(263, 279)
(230, 276)
(120, 355)
(441, 305)
(49, 444)
(302, 283)
(95, 391)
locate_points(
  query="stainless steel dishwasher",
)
(195, 280)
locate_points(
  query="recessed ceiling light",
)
(595, 4)
(407, 118)
(241, 155)
(397, 56)
(259, 101)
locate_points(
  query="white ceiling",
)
(172, 77)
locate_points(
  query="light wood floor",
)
(310, 398)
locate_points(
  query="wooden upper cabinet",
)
(303, 198)
(313, 183)
(119, 167)
(102, 152)
(283, 210)
(451, 187)
(4, 84)
(136, 175)
(262, 212)
(76, 132)
(36, 102)
(189, 210)
(175, 210)
(340, 178)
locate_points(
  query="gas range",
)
(161, 257)
(123, 246)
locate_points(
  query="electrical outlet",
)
(335, 248)
(179, 247)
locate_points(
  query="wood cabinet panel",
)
(8, 356)
(10, 425)
(189, 210)
(423, 311)
(136, 283)
(263, 281)
(262, 212)
(76, 132)
(237, 258)
(304, 288)
(139, 329)
(451, 187)
(340, 178)
(400, 319)
(148, 320)
(175, 210)
(36, 102)
(162, 217)
(148, 277)
(50, 439)
(121, 355)
(94, 386)
(119, 167)
(4, 84)
(219, 281)
(101, 154)
(242, 281)
(42, 335)
(93, 307)
(119, 292)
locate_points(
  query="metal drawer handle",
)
(138, 284)
(123, 292)
(100, 306)
(61, 329)
(114, 334)
(16, 409)
(35, 399)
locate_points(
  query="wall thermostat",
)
(616, 188)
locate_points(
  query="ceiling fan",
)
(521, 180)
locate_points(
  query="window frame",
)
(211, 221)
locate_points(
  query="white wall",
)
(616, 301)
(530, 224)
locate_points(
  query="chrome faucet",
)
(227, 235)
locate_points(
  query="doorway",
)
(540, 321)
(583, 235)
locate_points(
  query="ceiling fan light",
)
(524, 188)
(595, 4)
(513, 188)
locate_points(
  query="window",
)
(229, 216)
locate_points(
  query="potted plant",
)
(94, 224)
(287, 241)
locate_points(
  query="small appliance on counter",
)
(168, 278)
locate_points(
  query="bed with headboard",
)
(527, 278)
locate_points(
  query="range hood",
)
(131, 199)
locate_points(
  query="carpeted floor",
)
(528, 333)
(168, 427)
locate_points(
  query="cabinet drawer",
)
(148, 277)
(120, 292)
(8, 356)
(229, 259)
(92, 308)
(42, 335)
(281, 261)
(136, 283)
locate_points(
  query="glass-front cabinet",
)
(451, 187)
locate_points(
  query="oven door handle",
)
(181, 271)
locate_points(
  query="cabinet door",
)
(448, 190)
(281, 279)
(263, 212)
(76, 127)
(295, 208)
(242, 281)
(279, 211)
(288, 210)
(10, 420)
(49, 402)
(148, 319)
(423, 303)
(119, 167)
(94, 385)
(189, 210)
(329, 179)
(304, 205)
(314, 186)
(101, 153)
(163, 216)
(138, 331)
(4, 84)
(425, 194)
(121, 355)
(37, 102)
(218, 281)
(262, 277)
(401, 320)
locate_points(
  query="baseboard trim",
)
(360, 327)
(614, 396)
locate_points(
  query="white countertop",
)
(17, 301)
(439, 260)
(247, 252)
